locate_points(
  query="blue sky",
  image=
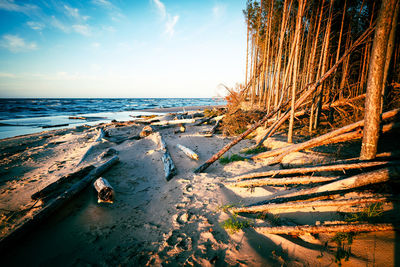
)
(115, 48)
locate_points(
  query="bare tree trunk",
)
(296, 48)
(375, 77)
(315, 229)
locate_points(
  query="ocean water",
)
(20, 116)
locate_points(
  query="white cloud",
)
(10, 5)
(81, 29)
(96, 45)
(16, 44)
(160, 7)
(170, 21)
(74, 13)
(103, 3)
(35, 25)
(170, 25)
(218, 10)
(58, 24)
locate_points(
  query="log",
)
(320, 139)
(323, 168)
(340, 186)
(53, 187)
(307, 204)
(173, 122)
(315, 229)
(169, 166)
(188, 152)
(105, 192)
(55, 204)
(283, 181)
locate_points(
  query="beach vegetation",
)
(232, 158)
(234, 224)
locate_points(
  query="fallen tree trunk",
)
(173, 122)
(105, 192)
(315, 229)
(343, 185)
(55, 204)
(321, 139)
(308, 204)
(326, 168)
(169, 166)
(188, 152)
(283, 181)
(53, 187)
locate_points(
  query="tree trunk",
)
(298, 206)
(375, 80)
(315, 229)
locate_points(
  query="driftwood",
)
(188, 152)
(323, 168)
(343, 185)
(98, 140)
(173, 122)
(283, 181)
(105, 192)
(315, 229)
(55, 204)
(323, 139)
(169, 166)
(308, 204)
(53, 187)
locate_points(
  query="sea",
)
(19, 116)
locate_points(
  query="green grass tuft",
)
(232, 158)
(233, 224)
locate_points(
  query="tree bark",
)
(169, 166)
(308, 204)
(315, 229)
(282, 181)
(375, 80)
(326, 168)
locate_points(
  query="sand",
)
(152, 221)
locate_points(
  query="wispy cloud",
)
(170, 25)
(74, 13)
(16, 44)
(103, 3)
(170, 21)
(82, 29)
(10, 5)
(38, 26)
(160, 8)
(218, 10)
(56, 23)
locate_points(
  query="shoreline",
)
(23, 126)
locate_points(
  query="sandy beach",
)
(155, 222)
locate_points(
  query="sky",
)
(116, 48)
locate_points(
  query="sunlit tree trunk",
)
(375, 80)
